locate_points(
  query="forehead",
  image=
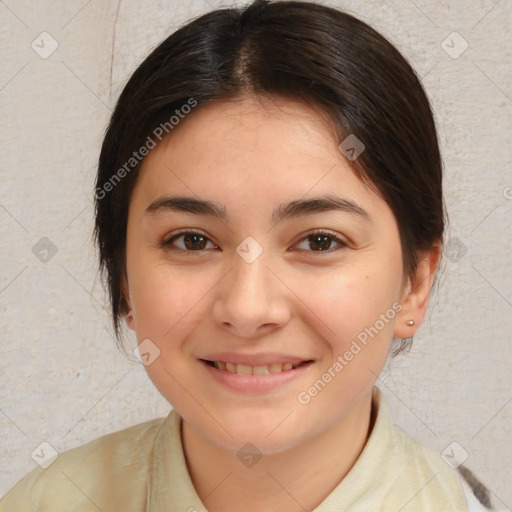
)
(260, 126)
(250, 150)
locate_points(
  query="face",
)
(260, 286)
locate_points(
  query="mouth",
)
(245, 369)
(266, 373)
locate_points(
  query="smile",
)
(258, 379)
(245, 369)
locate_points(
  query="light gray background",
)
(62, 379)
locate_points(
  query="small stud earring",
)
(410, 322)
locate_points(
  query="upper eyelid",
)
(191, 231)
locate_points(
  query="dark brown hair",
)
(322, 56)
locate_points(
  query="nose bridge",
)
(251, 275)
(252, 294)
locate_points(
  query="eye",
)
(322, 240)
(193, 241)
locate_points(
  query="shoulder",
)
(475, 494)
(90, 475)
(424, 469)
(416, 451)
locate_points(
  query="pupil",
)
(321, 237)
(194, 241)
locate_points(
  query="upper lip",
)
(263, 359)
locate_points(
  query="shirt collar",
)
(171, 488)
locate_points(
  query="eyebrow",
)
(284, 211)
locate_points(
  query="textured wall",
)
(62, 379)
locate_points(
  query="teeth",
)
(230, 367)
(245, 369)
(260, 370)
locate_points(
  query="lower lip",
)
(255, 383)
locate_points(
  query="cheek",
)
(170, 303)
(168, 300)
(345, 303)
(354, 315)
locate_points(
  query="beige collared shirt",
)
(142, 468)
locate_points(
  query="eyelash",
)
(168, 242)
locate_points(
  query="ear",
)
(130, 318)
(416, 293)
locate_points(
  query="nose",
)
(252, 299)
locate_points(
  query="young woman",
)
(269, 215)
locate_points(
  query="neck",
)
(294, 480)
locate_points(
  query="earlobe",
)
(130, 317)
(416, 295)
(130, 320)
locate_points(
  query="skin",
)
(251, 155)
